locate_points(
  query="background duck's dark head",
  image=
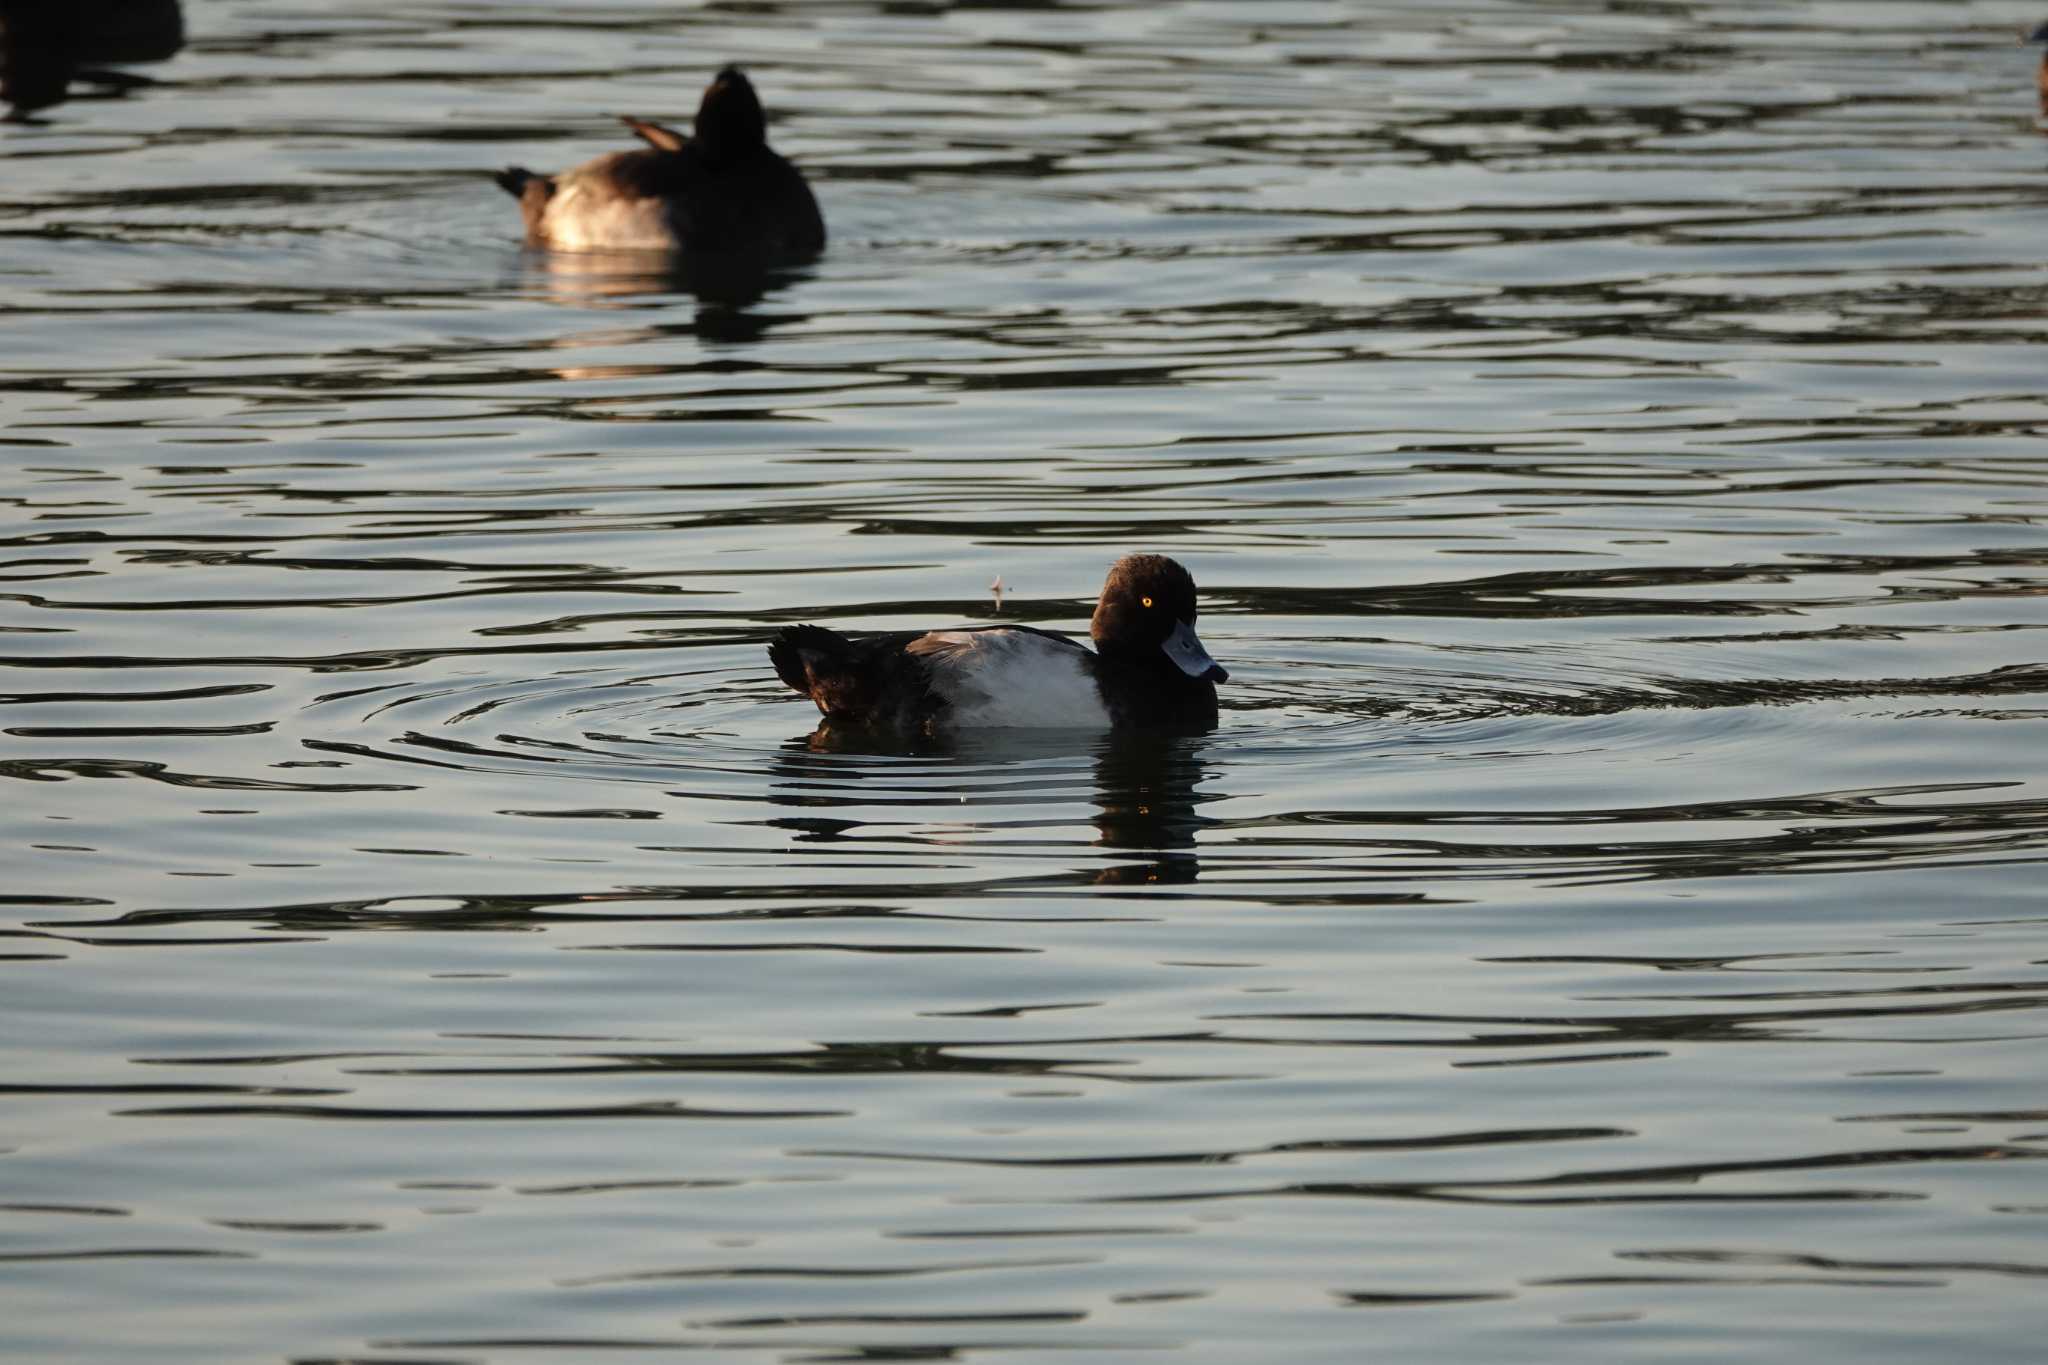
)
(729, 118)
(1147, 615)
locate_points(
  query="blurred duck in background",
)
(721, 190)
(45, 45)
(2039, 34)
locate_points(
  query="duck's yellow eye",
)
(1146, 600)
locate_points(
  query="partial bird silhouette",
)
(45, 45)
(722, 190)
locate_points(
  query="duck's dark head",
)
(729, 118)
(1147, 615)
(2035, 33)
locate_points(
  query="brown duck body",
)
(723, 190)
(1147, 673)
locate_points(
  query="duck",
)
(1148, 671)
(44, 48)
(722, 190)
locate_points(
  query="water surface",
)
(1607, 921)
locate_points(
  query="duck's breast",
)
(1012, 678)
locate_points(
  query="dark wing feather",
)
(872, 682)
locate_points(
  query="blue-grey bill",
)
(1185, 649)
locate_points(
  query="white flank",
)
(1009, 678)
(585, 218)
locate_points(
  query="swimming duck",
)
(722, 190)
(45, 47)
(1148, 670)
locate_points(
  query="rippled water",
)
(1608, 921)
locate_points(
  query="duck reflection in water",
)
(45, 45)
(616, 282)
(1146, 790)
(726, 285)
